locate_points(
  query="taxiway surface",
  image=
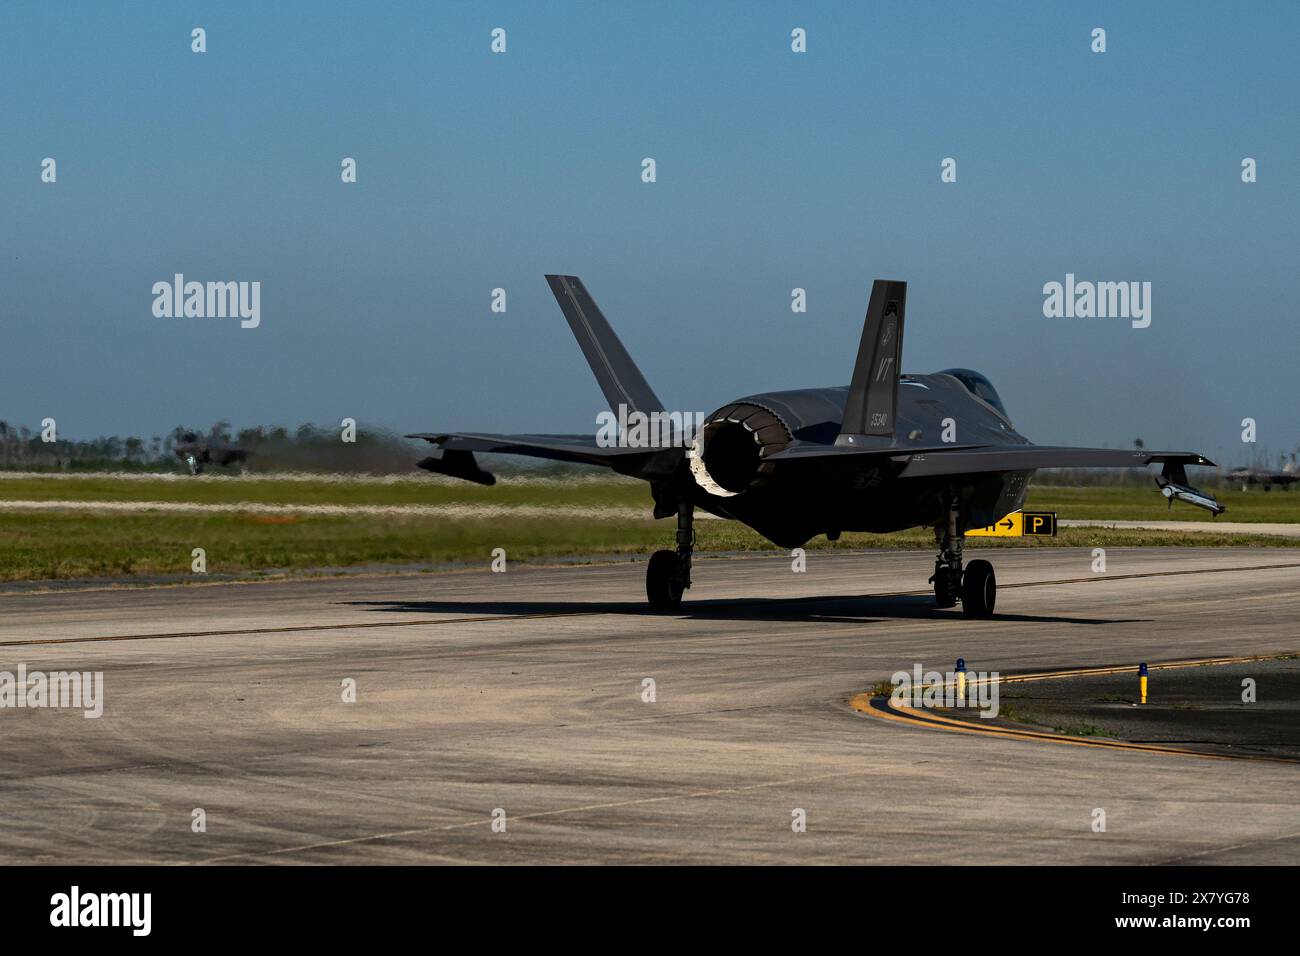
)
(526, 692)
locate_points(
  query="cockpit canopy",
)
(978, 385)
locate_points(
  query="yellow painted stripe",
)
(879, 706)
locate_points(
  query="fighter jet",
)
(888, 452)
(1265, 476)
(197, 451)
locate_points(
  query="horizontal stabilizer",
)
(579, 449)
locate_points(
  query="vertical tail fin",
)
(872, 402)
(619, 378)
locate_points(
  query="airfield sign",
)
(1019, 524)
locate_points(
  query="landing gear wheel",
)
(663, 581)
(945, 595)
(979, 590)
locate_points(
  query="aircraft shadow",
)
(837, 609)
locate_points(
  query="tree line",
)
(306, 448)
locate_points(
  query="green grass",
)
(61, 544)
(418, 489)
(1145, 503)
(1082, 730)
(883, 688)
(53, 545)
(41, 546)
(1011, 712)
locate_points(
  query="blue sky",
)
(775, 170)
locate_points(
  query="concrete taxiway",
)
(527, 692)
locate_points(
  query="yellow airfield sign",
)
(1018, 524)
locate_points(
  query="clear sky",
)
(775, 170)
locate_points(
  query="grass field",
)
(418, 489)
(46, 545)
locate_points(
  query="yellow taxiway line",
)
(881, 707)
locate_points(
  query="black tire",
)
(945, 595)
(979, 589)
(663, 588)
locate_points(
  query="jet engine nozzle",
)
(728, 456)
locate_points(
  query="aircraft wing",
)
(978, 459)
(453, 454)
(1172, 482)
(961, 461)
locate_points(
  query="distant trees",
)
(308, 447)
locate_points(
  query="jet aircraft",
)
(887, 452)
(1267, 477)
(198, 450)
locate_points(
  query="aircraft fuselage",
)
(798, 500)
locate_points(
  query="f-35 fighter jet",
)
(1267, 477)
(198, 451)
(888, 452)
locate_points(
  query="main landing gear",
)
(669, 572)
(976, 586)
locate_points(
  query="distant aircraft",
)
(199, 450)
(1266, 477)
(886, 453)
